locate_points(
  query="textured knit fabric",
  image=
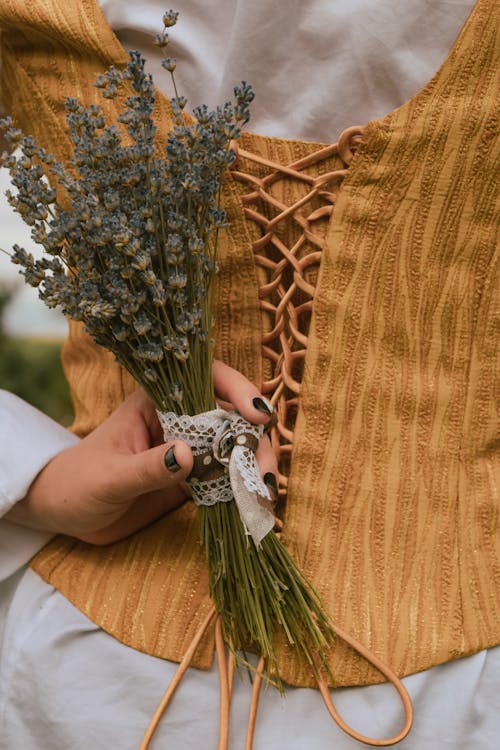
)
(393, 497)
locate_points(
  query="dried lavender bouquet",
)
(132, 254)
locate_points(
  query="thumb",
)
(157, 468)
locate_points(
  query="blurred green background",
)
(31, 335)
(31, 368)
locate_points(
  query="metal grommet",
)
(223, 445)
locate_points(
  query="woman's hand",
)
(122, 476)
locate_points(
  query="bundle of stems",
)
(260, 590)
(133, 254)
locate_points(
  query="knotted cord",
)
(287, 256)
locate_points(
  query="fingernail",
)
(170, 461)
(263, 405)
(273, 420)
(270, 481)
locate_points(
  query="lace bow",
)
(223, 445)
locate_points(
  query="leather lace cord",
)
(290, 210)
(176, 681)
(392, 678)
(226, 676)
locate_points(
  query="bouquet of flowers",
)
(130, 249)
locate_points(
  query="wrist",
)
(38, 509)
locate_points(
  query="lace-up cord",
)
(176, 681)
(391, 677)
(287, 255)
(226, 677)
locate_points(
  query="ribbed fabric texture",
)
(393, 503)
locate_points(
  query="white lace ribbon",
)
(221, 443)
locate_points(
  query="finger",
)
(162, 467)
(268, 465)
(233, 387)
(139, 403)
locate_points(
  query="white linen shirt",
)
(64, 683)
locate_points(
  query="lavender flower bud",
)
(169, 64)
(170, 18)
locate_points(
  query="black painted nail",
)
(170, 461)
(272, 484)
(273, 420)
(263, 405)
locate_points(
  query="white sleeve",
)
(28, 440)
